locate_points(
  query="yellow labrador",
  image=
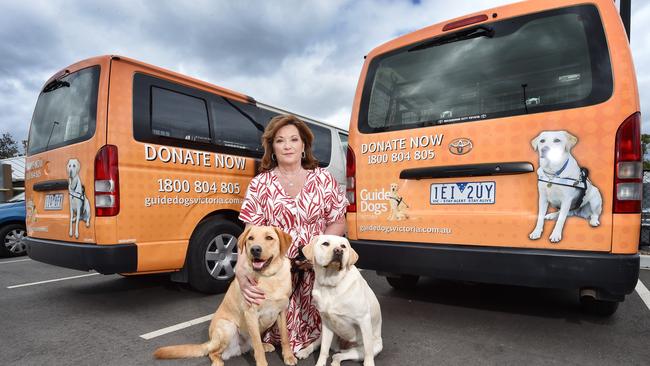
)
(348, 307)
(562, 184)
(236, 326)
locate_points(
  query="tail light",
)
(107, 182)
(628, 175)
(350, 186)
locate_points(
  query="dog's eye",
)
(326, 244)
(343, 246)
(556, 140)
(542, 141)
(251, 237)
(269, 237)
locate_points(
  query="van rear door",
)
(465, 135)
(67, 130)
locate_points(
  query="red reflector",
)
(628, 150)
(106, 171)
(464, 22)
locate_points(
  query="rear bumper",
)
(613, 275)
(105, 259)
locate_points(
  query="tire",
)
(601, 308)
(12, 244)
(212, 255)
(403, 282)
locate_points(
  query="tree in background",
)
(8, 146)
(645, 140)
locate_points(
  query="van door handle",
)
(51, 185)
(467, 170)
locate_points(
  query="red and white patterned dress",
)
(320, 203)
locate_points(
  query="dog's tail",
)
(184, 351)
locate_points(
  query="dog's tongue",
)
(258, 264)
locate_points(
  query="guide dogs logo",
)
(460, 146)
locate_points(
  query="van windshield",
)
(65, 112)
(535, 63)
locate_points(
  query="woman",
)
(291, 192)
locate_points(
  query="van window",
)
(322, 144)
(178, 115)
(234, 128)
(535, 63)
(66, 111)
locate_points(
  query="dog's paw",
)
(594, 222)
(552, 216)
(536, 234)
(268, 347)
(555, 237)
(305, 352)
(369, 362)
(290, 359)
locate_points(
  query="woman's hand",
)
(304, 265)
(252, 294)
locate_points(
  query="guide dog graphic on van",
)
(79, 204)
(398, 208)
(563, 184)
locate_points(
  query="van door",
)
(492, 135)
(66, 132)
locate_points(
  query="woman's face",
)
(288, 146)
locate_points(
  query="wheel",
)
(403, 282)
(212, 255)
(12, 240)
(598, 307)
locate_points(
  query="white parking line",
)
(17, 260)
(54, 280)
(643, 293)
(176, 327)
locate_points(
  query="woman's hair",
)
(276, 123)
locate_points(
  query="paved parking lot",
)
(91, 319)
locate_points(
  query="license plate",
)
(463, 193)
(53, 201)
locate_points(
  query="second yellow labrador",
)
(348, 307)
(236, 326)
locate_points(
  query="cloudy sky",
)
(303, 56)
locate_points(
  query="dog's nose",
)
(256, 251)
(545, 149)
(338, 252)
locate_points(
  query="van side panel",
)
(161, 229)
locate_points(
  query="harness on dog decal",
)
(562, 184)
(79, 204)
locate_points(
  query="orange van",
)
(502, 147)
(135, 169)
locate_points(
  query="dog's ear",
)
(241, 242)
(535, 141)
(308, 250)
(354, 257)
(571, 141)
(285, 240)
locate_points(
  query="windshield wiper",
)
(54, 124)
(55, 84)
(480, 31)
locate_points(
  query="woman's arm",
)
(336, 228)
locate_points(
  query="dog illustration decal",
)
(562, 184)
(398, 208)
(79, 204)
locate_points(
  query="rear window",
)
(535, 63)
(66, 111)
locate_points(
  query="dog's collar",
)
(552, 175)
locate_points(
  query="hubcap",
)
(221, 256)
(14, 241)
